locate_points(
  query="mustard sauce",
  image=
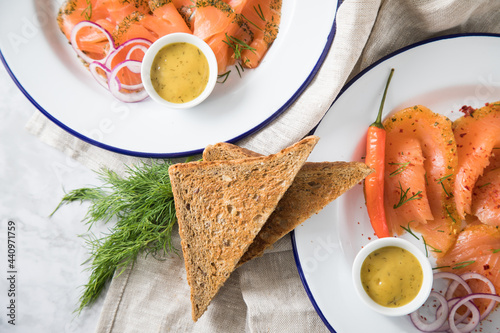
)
(179, 72)
(391, 276)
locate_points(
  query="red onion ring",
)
(476, 317)
(477, 276)
(82, 54)
(133, 48)
(458, 320)
(456, 281)
(103, 81)
(115, 86)
(441, 316)
(132, 65)
(448, 311)
(137, 41)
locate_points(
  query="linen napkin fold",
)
(265, 294)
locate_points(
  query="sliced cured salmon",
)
(132, 26)
(98, 30)
(238, 29)
(216, 23)
(477, 249)
(476, 135)
(211, 18)
(165, 20)
(420, 163)
(265, 18)
(73, 11)
(234, 29)
(486, 193)
(405, 172)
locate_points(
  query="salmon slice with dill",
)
(117, 10)
(186, 9)
(477, 250)
(486, 193)
(214, 22)
(420, 163)
(74, 11)
(264, 17)
(476, 134)
(123, 19)
(404, 172)
(165, 20)
(237, 30)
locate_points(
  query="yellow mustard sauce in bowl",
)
(392, 276)
(180, 72)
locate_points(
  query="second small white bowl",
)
(180, 37)
(425, 289)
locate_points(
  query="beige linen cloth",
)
(266, 294)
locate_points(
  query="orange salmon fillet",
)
(236, 30)
(476, 136)
(477, 249)
(420, 161)
(265, 16)
(486, 193)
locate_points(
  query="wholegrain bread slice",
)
(221, 206)
(315, 186)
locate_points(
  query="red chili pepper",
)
(374, 183)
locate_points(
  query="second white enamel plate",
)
(442, 74)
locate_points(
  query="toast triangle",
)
(314, 187)
(221, 206)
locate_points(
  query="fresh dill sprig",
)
(463, 264)
(440, 181)
(457, 265)
(237, 45)
(223, 77)
(87, 12)
(402, 168)
(408, 229)
(449, 214)
(433, 249)
(239, 67)
(143, 206)
(249, 21)
(259, 12)
(403, 196)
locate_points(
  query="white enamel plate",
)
(442, 74)
(46, 69)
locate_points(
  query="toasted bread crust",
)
(316, 185)
(221, 206)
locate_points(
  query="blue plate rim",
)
(343, 90)
(253, 130)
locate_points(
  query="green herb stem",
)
(143, 206)
(403, 196)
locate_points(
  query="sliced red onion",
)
(133, 48)
(441, 316)
(138, 41)
(472, 322)
(103, 81)
(135, 67)
(476, 317)
(115, 86)
(82, 54)
(477, 276)
(456, 281)
(458, 320)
